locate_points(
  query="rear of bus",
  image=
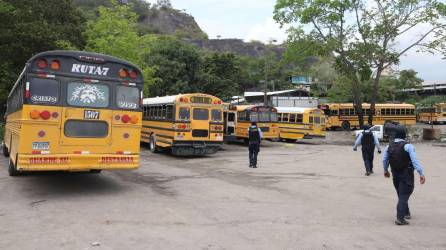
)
(265, 117)
(199, 125)
(81, 112)
(316, 123)
(331, 112)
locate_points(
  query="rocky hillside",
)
(164, 19)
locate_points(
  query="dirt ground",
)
(302, 196)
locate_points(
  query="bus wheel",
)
(152, 144)
(345, 125)
(5, 150)
(12, 169)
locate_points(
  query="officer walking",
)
(367, 140)
(403, 160)
(255, 137)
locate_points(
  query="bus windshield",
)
(127, 97)
(88, 95)
(43, 91)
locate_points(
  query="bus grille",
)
(264, 129)
(200, 133)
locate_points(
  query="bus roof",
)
(173, 98)
(249, 106)
(405, 105)
(83, 55)
(294, 109)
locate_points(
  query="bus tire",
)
(152, 145)
(345, 125)
(5, 150)
(12, 169)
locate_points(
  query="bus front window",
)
(184, 114)
(88, 95)
(127, 97)
(43, 91)
(201, 114)
(216, 115)
(274, 117)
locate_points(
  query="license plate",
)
(91, 114)
(41, 145)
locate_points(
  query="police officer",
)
(403, 160)
(255, 137)
(367, 140)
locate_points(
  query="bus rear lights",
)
(35, 114)
(134, 119)
(133, 74)
(126, 135)
(181, 126)
(41, 133)
(123, 73)
(184, 99)
(117, 117)
(45, 114)
(217, 102)
(55, 115)
(123, 152)
(125, 118)
(55, 65)
(81, 152)
(42, 63)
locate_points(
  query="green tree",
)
(175, 66)
(28, 27)
(362, 35)
(219, 75)
(115, 33)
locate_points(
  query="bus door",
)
(230, 123)
(88, 116)
(200, 122)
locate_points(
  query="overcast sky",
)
(252, 20)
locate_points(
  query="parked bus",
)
(188, 124)
(434, 115)
(343, 115)
(300, 123)
(74, 111)
(238, 118)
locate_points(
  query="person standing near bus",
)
(255, 137)
(368, 141)
(402, 159)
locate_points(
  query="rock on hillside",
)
(173, 22)
(238, 46)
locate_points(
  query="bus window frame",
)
(61, 96)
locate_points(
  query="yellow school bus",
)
(433, 115)
(300, 123)
(188, 124)
(238, 118)
(74, 111)
(343, 115)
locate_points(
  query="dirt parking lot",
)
(302, 196)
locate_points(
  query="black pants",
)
(254, 149)
(368, 155)
(404, 185)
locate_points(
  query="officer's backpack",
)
(368, 141)
(399, 159)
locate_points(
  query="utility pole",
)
(265, 87)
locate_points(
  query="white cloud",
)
(266, 31)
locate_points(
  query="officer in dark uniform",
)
(403, 160)
(255, 137)
(367, 140)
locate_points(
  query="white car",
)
(377, 130)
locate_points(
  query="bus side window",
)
(169, 112)
(311, 119)
(335, 112)
(163, 112)
(299, 118)
(279, 117)
(285, 117)
(292, 118)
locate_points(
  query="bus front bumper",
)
(76, 162)
(185, 148)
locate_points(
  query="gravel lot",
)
(302, 196)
